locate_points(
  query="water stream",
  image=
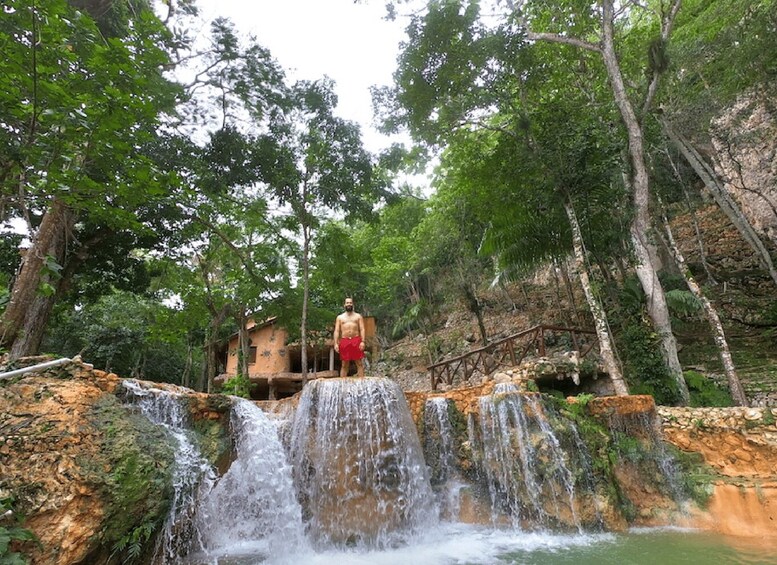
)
(192, 474)
(358, 466)
(527, 469)
(253, 503)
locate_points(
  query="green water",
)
(470, 545)
(649, 547)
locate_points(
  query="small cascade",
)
(254, 502)
(526, 468)
(439, 435)
(358, 466)
(639, 441)
(440, 455)
(192, 472)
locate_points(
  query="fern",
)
(682, 303)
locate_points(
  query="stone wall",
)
(465, 399)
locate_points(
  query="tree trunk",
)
(211, 346)
(570, 291)
(474, 306)
(724, 200)
(242, 341)
(658, 312)
(26, 316)
(510, 300)
(563, 314)
(303, 326)
(734, 385)
(187, 369)
(606, 347)
(640, 184)
(694, 221)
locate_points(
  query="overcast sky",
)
(351, 43)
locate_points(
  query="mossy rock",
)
(133, 476)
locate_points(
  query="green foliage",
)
(682, 303)
(131, 546)
(131, 335)
(643, 364)
(697, 477)
(9, 532)
(239, 385)
(706, 74)
(704, 392)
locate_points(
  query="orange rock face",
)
(43, 440)
(621, 405)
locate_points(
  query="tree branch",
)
(556, 38)
(223, 237)
(667, 22)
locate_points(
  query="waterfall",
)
(192, 472)
(254, 501)
(524, 463)
(638, 440)
(358, 467)
(253, 504)
(440, 454)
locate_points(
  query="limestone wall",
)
(739, 446)
(84, 468)
(744, 141)
(465, 399)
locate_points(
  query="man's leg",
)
(359, 368)
(344, 366)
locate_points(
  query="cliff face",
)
(728, 458)
(738, 449)
(91, 475)
(745, 144)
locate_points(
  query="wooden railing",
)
(507, 352)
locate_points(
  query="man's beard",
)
(349, 308)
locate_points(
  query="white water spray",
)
(253, 502)
(192, 472)
(358, 467)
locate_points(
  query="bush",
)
(643, 363)
(705, 392)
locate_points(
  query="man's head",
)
(349, 304)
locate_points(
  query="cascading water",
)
(192, 472)
(253, 504)
(358, 466)
(364, 488)
(638, 439)
(440, 455)
(522, 459)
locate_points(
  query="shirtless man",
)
(349, 339)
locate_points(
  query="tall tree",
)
(313, 162)
(612, 23)
(75, 106)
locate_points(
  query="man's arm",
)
(362, 333)
(336, 335)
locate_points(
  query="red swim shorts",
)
(349, 349)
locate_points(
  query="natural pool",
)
(471, 545)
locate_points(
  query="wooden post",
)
(541, 339)
(332, 358)
(271, 395)
(511, 347)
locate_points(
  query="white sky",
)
(348, 42)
